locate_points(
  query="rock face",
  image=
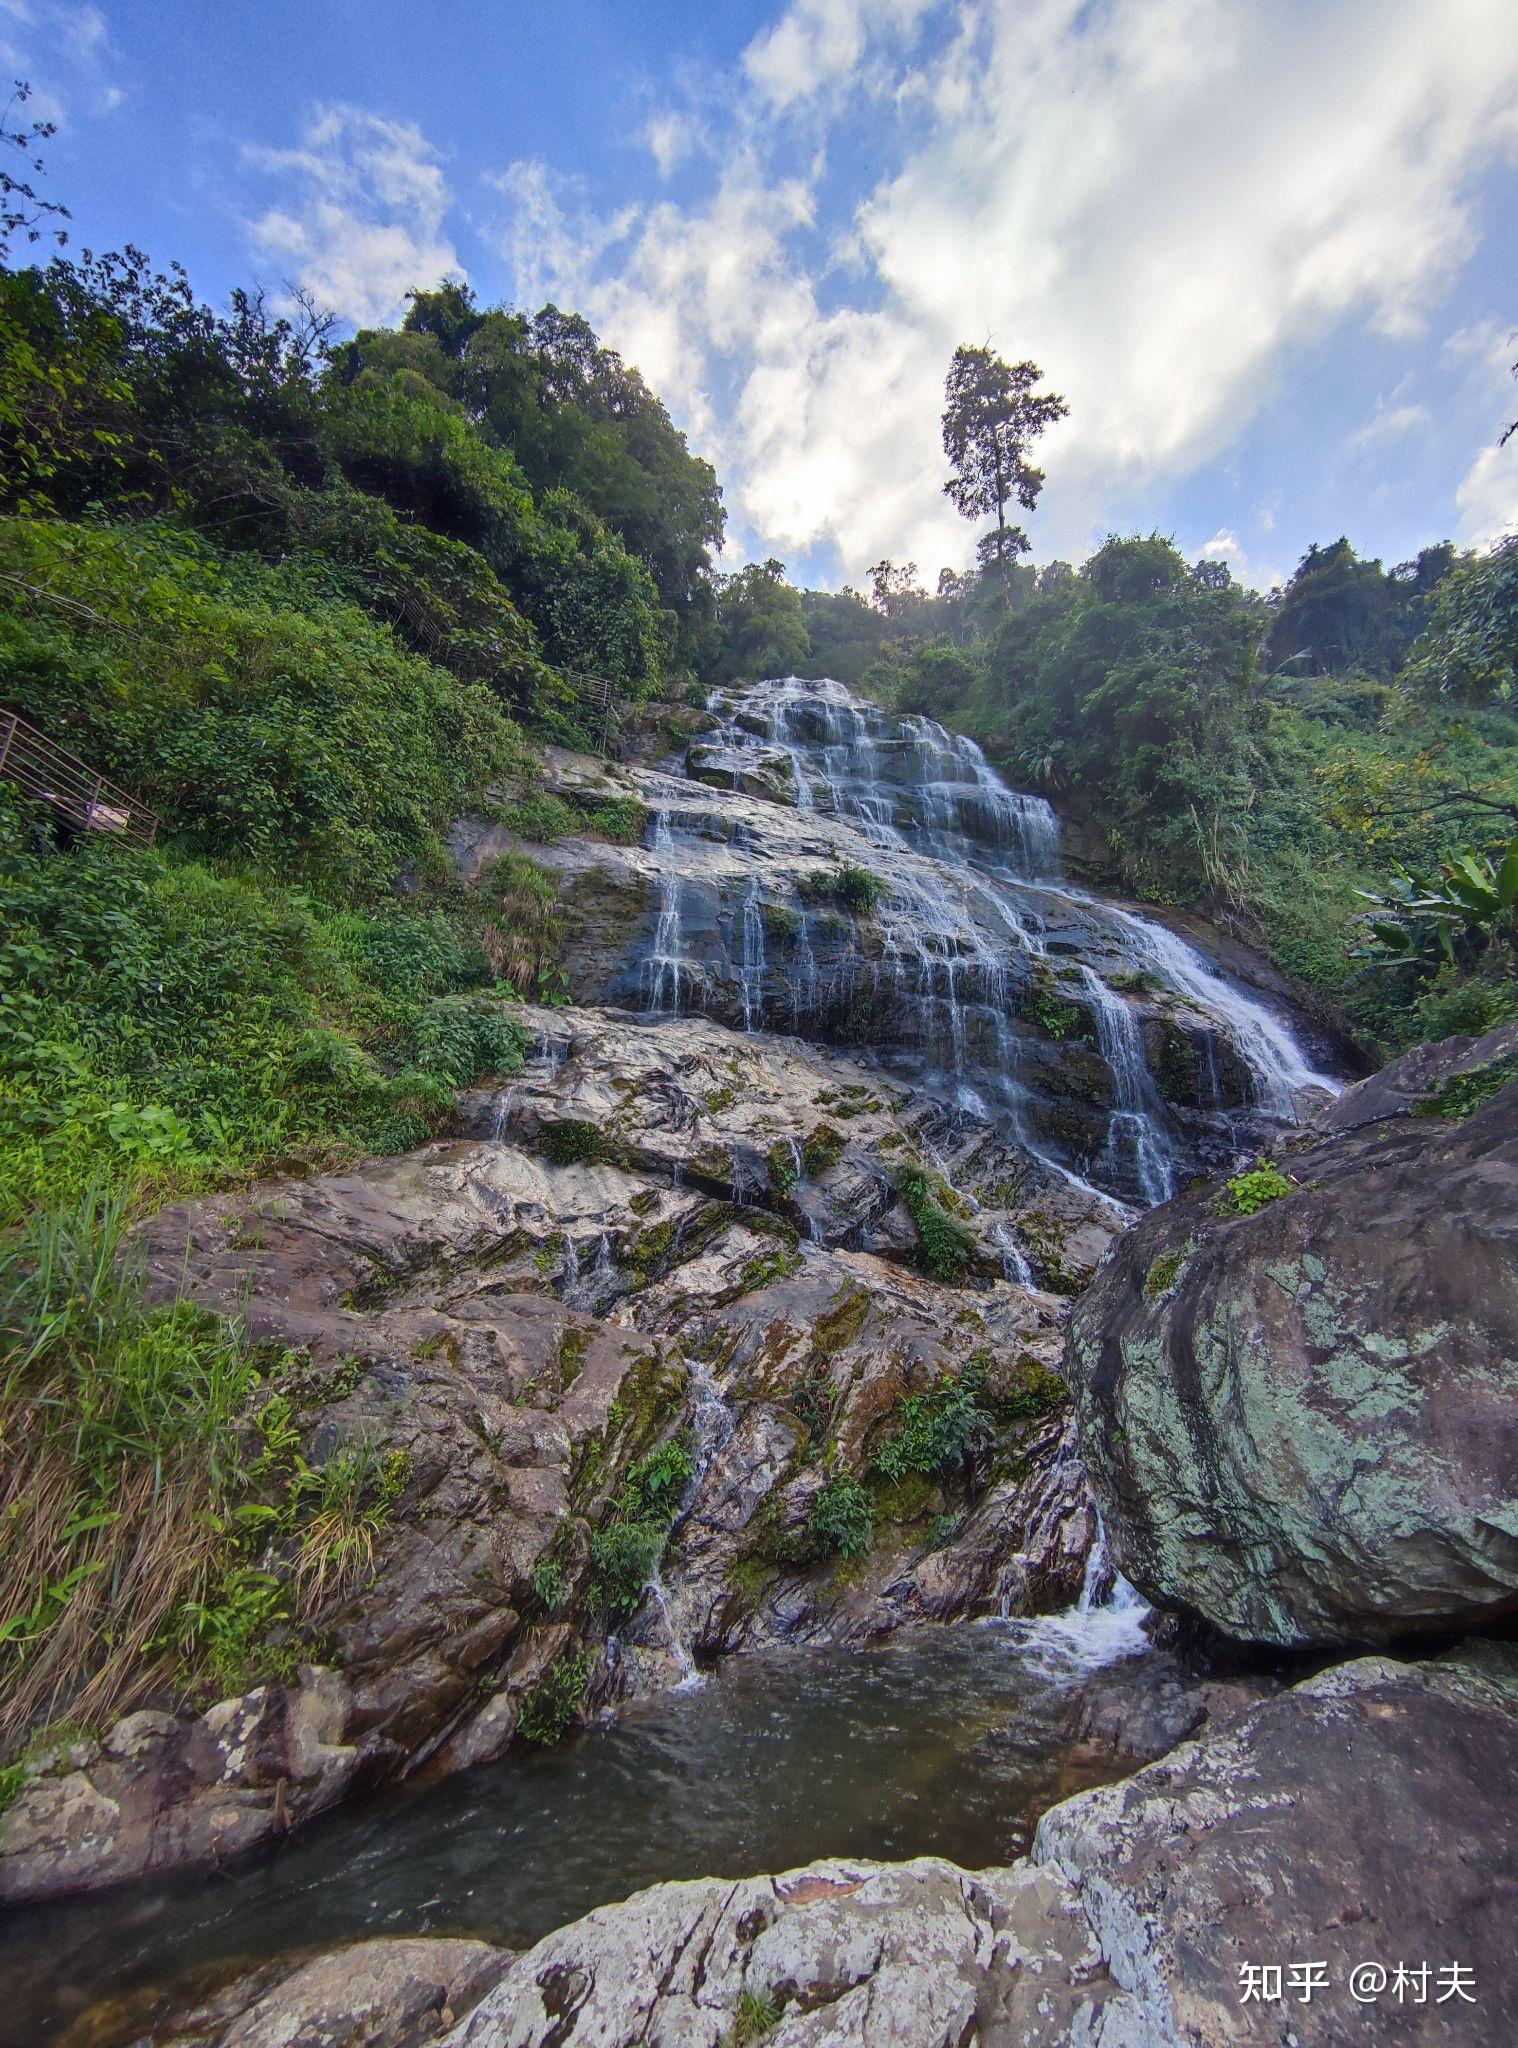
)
(1359, 1822)
(659, 1246)
(1302, 1423)
(818, 867)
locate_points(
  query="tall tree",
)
(992, 416)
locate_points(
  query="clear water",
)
(950, 1744)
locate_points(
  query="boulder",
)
(1301, 1417)
(374, 1994)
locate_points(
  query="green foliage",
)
(1165, 1271)
(549, 1711)
(757, 2015)
(1463, 1094)
(992, 416)
(161, 1526)
(163, 1022)
(948, 1249)
(842, 1518)
(1452, 916)
(759, 620)
(824, 1147)
(570, 1142)
(1247, 1193)
(625, 1552)
(549, 1585)
(852, 889)
(940, 1430)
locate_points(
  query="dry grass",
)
(117, 1449)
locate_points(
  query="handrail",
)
(41, 768)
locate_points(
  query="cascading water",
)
(665, 969)
(975, 930)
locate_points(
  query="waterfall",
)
(972, 896)
(665, 969)
(751, 959)
(1137, 1148)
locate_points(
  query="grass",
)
(162, 1533)
(118, 1467)
(1463, 1094)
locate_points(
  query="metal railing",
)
(39, 768)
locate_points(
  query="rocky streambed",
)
(722, 1363)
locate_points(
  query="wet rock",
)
(1365, 1816)
(165, 1790)
(375, 1994)
(1302, 1422)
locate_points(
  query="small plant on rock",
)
(842, 1520)
(1247, 1193)
(549, 1710)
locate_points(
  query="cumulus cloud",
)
(1488, 493)
(1157, 200)
(368, 219)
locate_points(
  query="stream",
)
(951, 1743)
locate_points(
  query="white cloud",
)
(369, 222)
(1157, 200)
(820, 44)
(63, 50)
(1488, 493)
(1488, 496)
(671, 138)
(1390, 423)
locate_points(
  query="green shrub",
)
(1463, 1094)
(849, 888)
(1247, 1193)
(570, 1142)
(842, 1518)
(823, 1148)
(939, 1430)
(947, 1247)
(549, 1585)
(624, 1556)
(549, 1710)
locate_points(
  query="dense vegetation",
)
(310, 604)
(1273, 761)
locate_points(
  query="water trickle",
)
(665, 970)
(751, 958)
(1138, 1149)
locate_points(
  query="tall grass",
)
(118, 1464)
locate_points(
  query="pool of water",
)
(952, 1743)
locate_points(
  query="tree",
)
(992, 417)
(762, 625)
(20, 208)
(893, 588)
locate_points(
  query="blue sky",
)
(1262, 246)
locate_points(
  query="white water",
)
(975, 906)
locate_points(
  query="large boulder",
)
(1301, 1417)
(1354, 1826)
